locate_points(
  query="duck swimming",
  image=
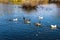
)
(53, 26)
(13, 19)
(26, 21)
(37, 24)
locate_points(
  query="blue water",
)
(11, 30)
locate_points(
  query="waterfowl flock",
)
(28, 21)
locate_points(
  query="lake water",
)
(18, 30)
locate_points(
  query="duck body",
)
(38, 24)
(26, 21)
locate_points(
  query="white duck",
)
(15, 19)
(40, 17)
(53, 26)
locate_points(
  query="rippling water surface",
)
(11, 30)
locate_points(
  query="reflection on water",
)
(17, 29)
(29, 8)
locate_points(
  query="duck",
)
(15, 19)
(40, 17)
(38, 24)
(26, 21)
(53, 26)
